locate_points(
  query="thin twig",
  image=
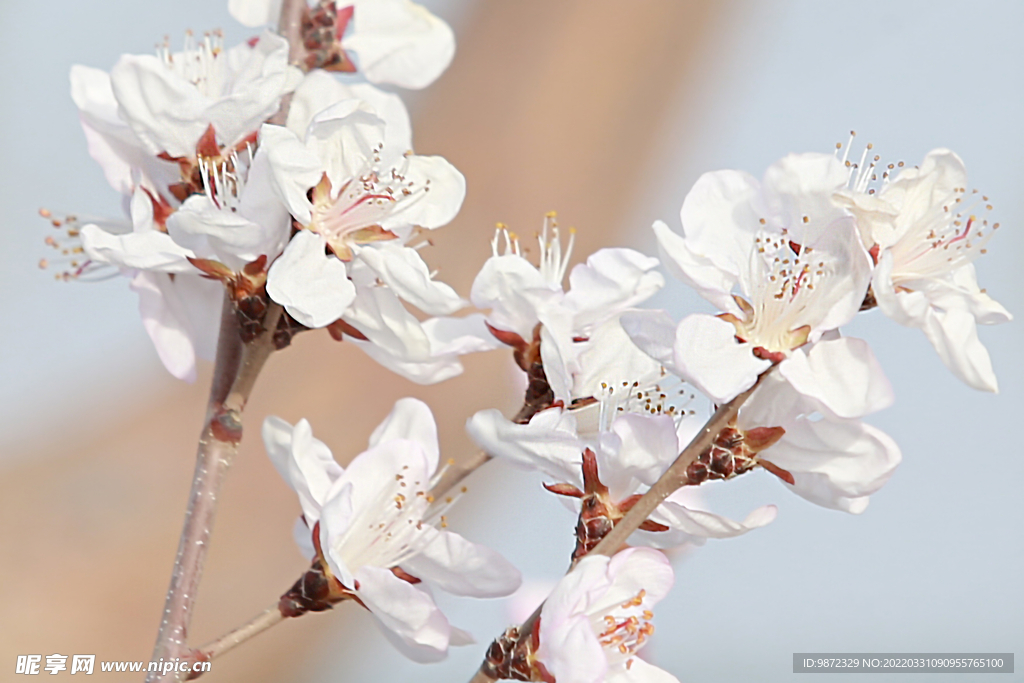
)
(455, 474)
(672, 479)
(254, 627)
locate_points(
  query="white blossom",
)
(801, 272)
(599, 616)
(526, 300)
(924, 230)
(377, 516)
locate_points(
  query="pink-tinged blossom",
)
(362, 202)
(396, 42)
(599, 616)
(375, 521)
(801, 272)
(925, 230)
(528, 304)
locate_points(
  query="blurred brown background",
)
(548, 105)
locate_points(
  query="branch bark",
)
(236, 368)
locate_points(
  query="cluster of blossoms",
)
(267, 180)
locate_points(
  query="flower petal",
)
(707, 355)
(320, 90)
(954, 335)
(304, 462)
(639, 671)
(548, 442)
(408, 616)
(403, 270)
(842, 376)
(835, 464)
(313, 287)
(399, 42)
(463, 568)
(611, 281)
(410, 420)
(293, 169)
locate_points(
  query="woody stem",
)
(236, 367)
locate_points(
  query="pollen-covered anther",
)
(69, 259)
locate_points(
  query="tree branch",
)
(254, 627)
(672, 479)
(235, 371)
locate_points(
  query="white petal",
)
(403, 270)
(305, 463)
(954, 335)
(222, 235)
(399, 42)
(836, 464)
(572, 653)
(611, 281)
(337, 515)
(548, 442)
(800, 185)
(411, 420)
(379, 314)
(111, 142)
(423, 372)
(313, 287)
(320, 90)
(151, 250)
(703, 524)
(654, 333)
(459, 336)
(611, 358)
(708, 356)
(409, 617)
(514, 291)
(345, 137)
(842, 375)
(303, 536)
(700, 272)
(293, 169)
(442, 188)
(374, 470)
(177, 327)
(632, 570)
(649, 445)
(463, 568)
(720, 220)
(558, 356)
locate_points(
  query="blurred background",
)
(606, 111)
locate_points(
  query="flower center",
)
(667, 395)
(197, 62)
(69, 259)
(389, 530)
(354, 214)
(553, 262)
(623, 629)
(947, 236)
(782, 292)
